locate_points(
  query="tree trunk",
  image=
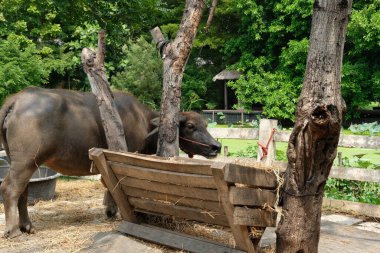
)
(93, 65)
(313, 143)
(211, 14)
(175, 55)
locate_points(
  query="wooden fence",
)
(337, 172)
(357, 141)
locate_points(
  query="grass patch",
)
(239, 147)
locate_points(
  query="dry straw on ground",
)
(69, 222)
(66, 224)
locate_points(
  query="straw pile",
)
(69, 222)
(66, 224)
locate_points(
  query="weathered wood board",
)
(174, 239)
(227, 195)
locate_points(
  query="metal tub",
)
(41, 185)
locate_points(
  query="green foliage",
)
(372, 128)
(196, 81)
(21, 66)
(142, 72)
(249, 152)
(59, 30)
(357, 161)
(273, 47)
(270, 47)
(265, 40)
(353, 191)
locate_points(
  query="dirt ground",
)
(66, 224)
(69, 222)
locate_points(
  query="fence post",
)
(340, 159)
(225, 153)
(266, 141)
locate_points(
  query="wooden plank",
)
(348, 173)
(254, 217)
(234, 133)
(356, 207)
(359, 141)
(169, 177)
(364, 175)
(175, 199)
(198, 193)
(182, 212)
(252, 196)
(194, 161)
(250, 176)
(182, 165)
(174, 239)
(126, 210)
(241, 233)
(356, 141)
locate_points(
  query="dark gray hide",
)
(58, 127)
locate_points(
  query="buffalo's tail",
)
(5, 110)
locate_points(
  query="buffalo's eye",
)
(190, 126)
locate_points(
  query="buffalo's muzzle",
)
(216, 147)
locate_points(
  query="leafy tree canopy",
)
(41, 41)
(271, 49)
(142, 72)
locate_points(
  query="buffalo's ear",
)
(182, 118)
(155, 121)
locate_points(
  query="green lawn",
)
(372, 155)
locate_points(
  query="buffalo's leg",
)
(24, 222)
(109, 202)
(12, 188)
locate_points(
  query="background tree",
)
(142, 72)
(60, 29)
(266, 40)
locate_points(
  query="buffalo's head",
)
(194, 139)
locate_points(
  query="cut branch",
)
(93, 65)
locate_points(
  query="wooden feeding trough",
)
(227, 195)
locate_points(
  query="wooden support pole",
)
(110, 180)
(241, 233)
(266, 139)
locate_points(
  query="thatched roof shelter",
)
(227, 75)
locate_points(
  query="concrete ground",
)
(339, 233)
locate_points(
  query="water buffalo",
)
(57, 127)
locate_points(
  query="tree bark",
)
(175, 55)
(313, 143)
(93, 65)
